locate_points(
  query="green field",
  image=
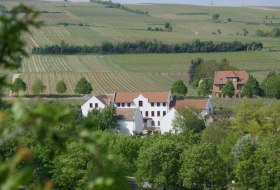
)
(141, 72)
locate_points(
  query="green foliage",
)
(38, 87)
(188, 119)
(271, 85)
(179, 88)
(168, 26)
(159, 164)
(275, 32)
(18, 85)
(71, 167)
(202, 168)
(106, 118)
(83, 87)
(61, 87)
(256, 118)
(228, 89)
(127, 150)
(215, 17)
(251, 88)
(204, 88)
(192, 70)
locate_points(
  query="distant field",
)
(92, 24)
(115, 25)
(108, 82)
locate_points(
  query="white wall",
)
(147, 106)
(166, 121)
(209, 109)
(127, 127)
(86, 106)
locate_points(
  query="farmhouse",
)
(148, 110)
(239, 79)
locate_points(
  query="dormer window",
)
(140, 103)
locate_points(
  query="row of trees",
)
(149, 47)
(82, 87)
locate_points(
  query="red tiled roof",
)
(221, 77)
(126, 114)
(105, 99)
(127, 97)
(199, 104)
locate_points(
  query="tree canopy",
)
(83, 87)
(38, 87)
(228, 89)
(61, 87)
(251, 88)
(18, 85)
(179, 88)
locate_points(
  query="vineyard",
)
(108, 82)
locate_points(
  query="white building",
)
(130, 120)
(205, 106)
(156, 108)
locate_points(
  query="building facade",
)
(155, 108)
(238, 78)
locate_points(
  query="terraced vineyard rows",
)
(84, 63)
(106, 82)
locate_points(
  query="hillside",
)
(92, 24)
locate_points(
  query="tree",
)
(245, 32)
(251, 88)
(215, 17)
(83, 87)
(18, 85)
(168, 27)
(204, 88)
(271, 85)
(159, 164)
(228, 89)
(192, 70)
(219, 31)
(188, 119)
(61, 87)
(106, 118)
(179, 88)
(38, 87)
(202, 168)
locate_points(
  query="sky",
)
(207, 2)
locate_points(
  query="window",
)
(153, 113)
(140, 103)
(118, 104)
(164, 113)
(96, 105)
(153, 104)
(146, 113)
(153, 123)
(128, 104)
(164, 104)
(158, 104)
(90, 105)
(123, 104)
(158, 113)
(158, 123)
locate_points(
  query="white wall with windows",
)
(92, 103)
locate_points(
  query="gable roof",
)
(127, 97)
(105, 99)
(126, 114)
(221, 77)
(199, 104)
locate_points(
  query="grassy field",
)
(92, 24)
